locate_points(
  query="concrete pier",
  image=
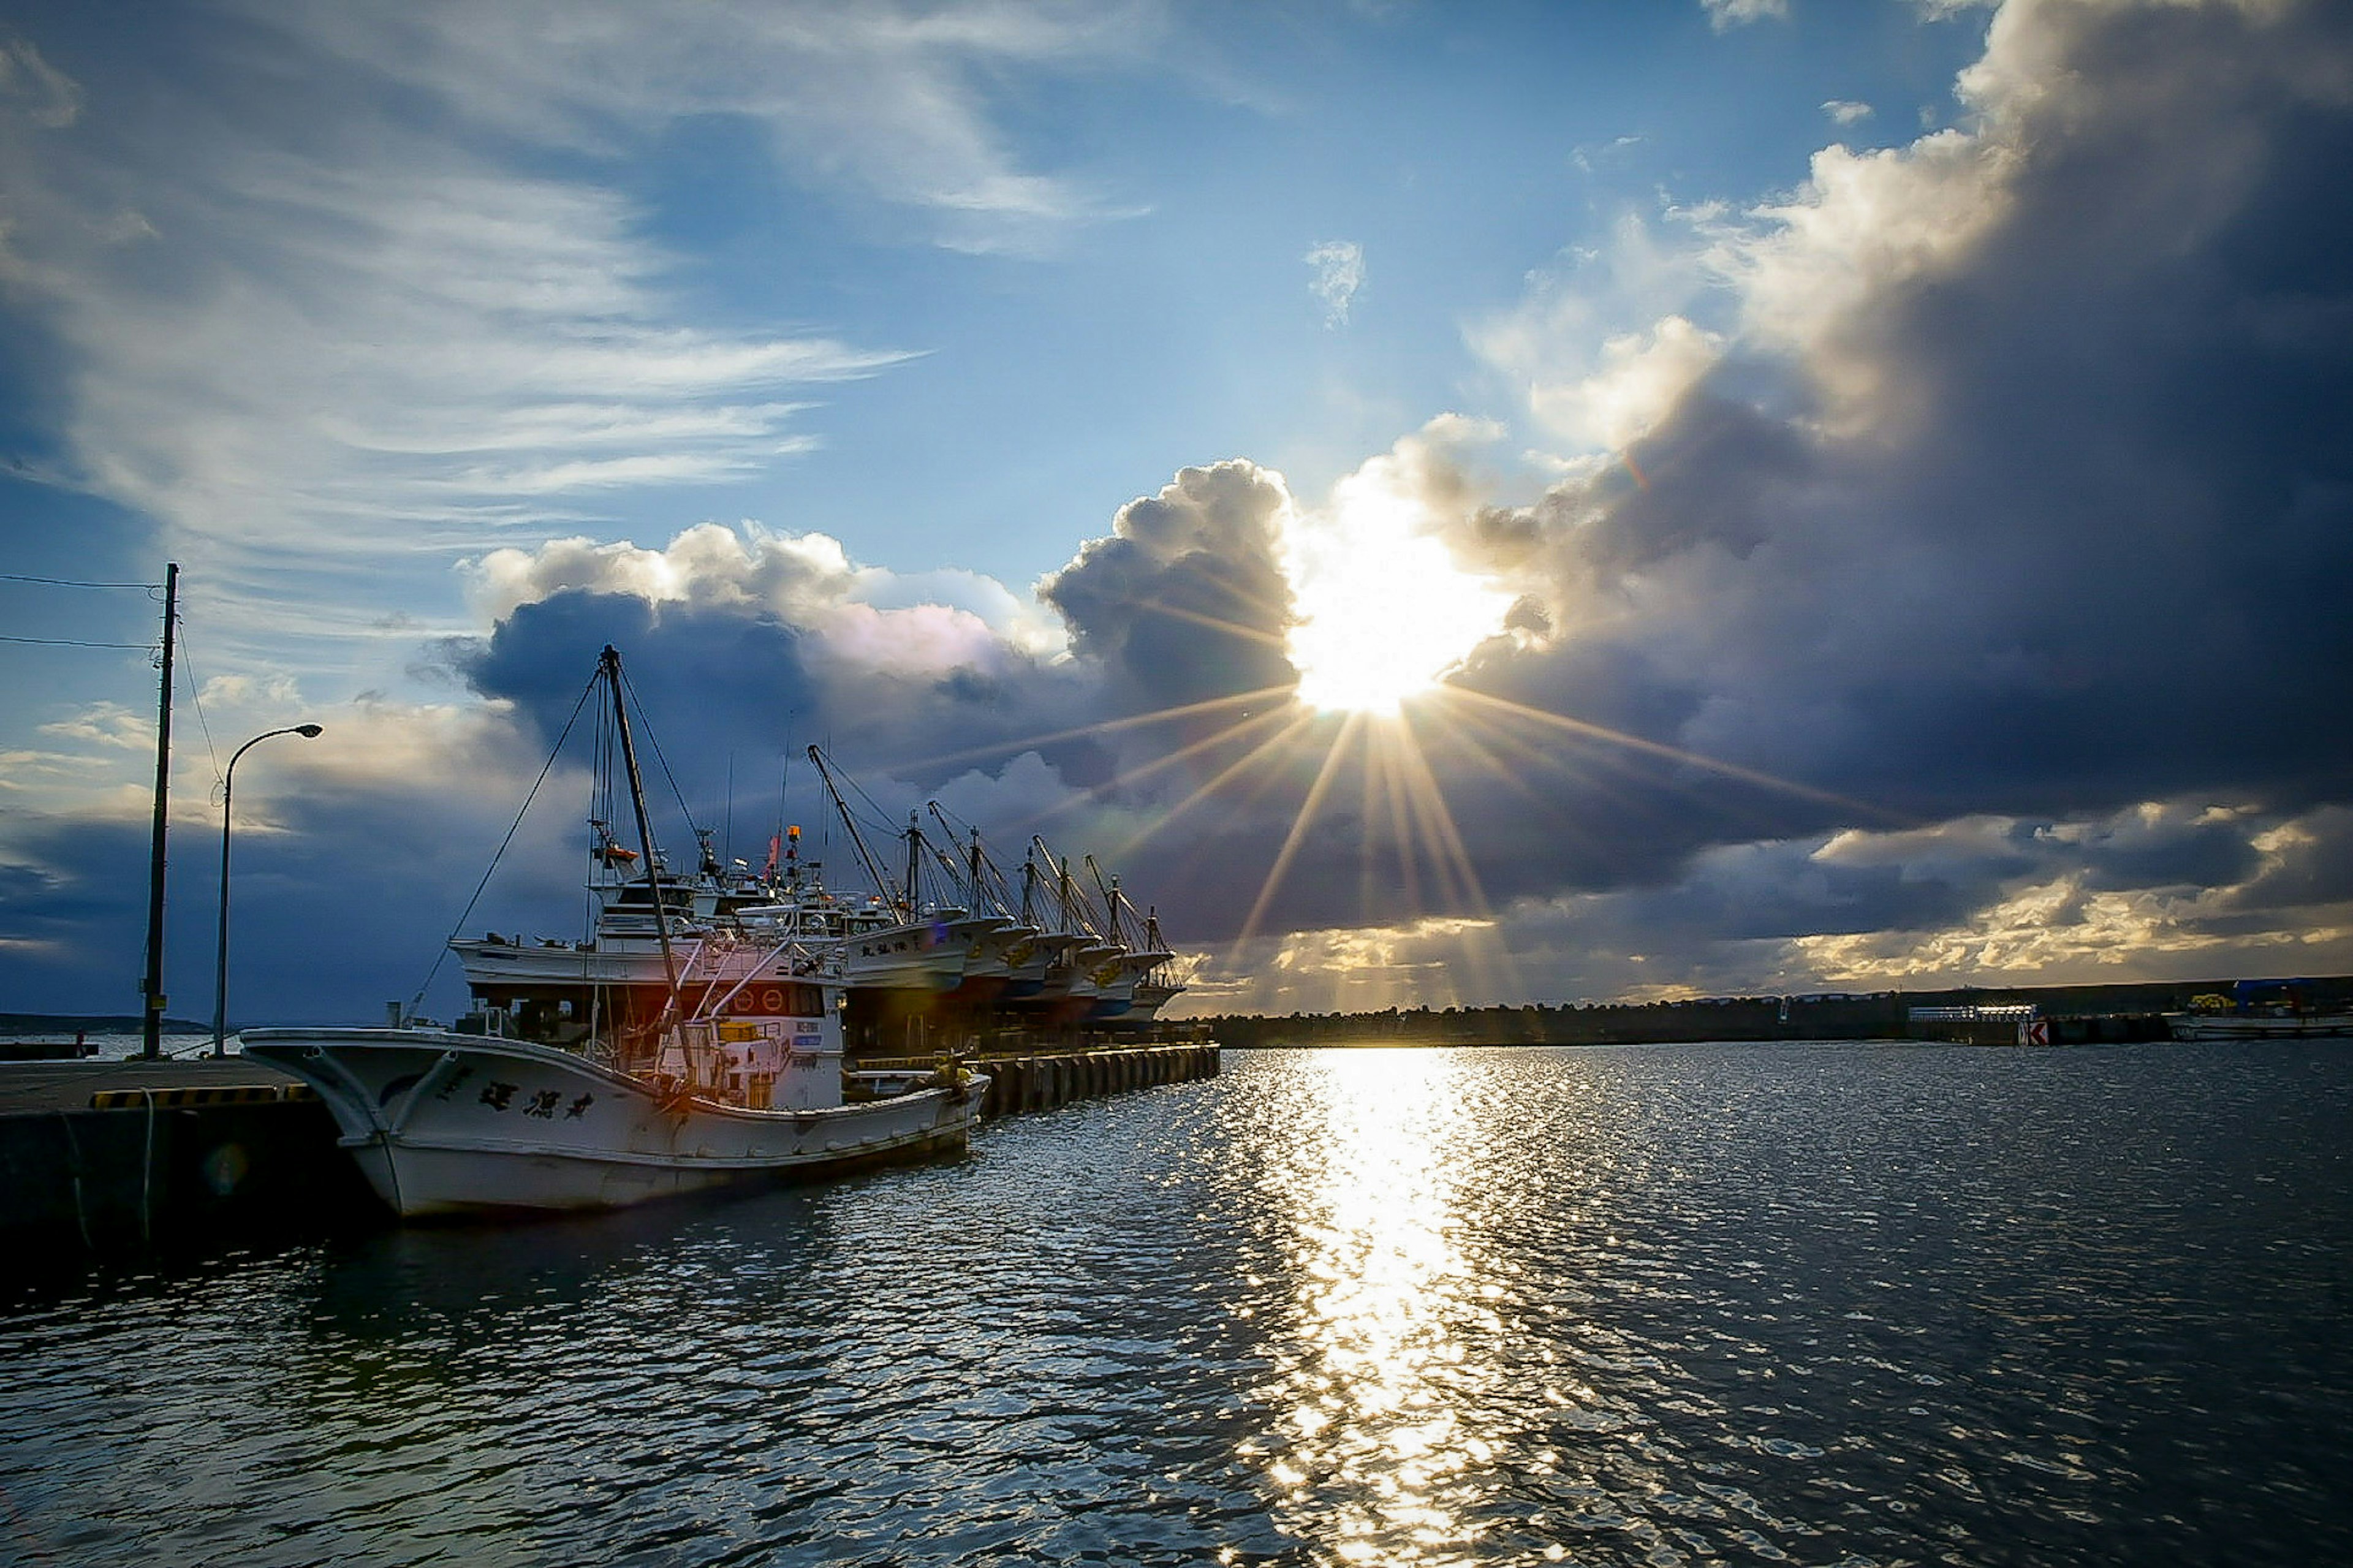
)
(131, 1156)
(101, 1157)
(1041, 1080)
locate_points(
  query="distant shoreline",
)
(92, 1024)
(2112, 1012)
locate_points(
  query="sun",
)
(1383, 610)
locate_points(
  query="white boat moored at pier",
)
(447, 1123)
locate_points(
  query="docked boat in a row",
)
(699, 1034)
(1048, 955)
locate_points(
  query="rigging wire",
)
(994, 883)
(882, 822)
(418, 1001)
(196, 700)
(645, 724)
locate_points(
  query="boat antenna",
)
(151, 989)
(610, 664)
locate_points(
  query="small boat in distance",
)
(2259, 1010)
(733, 1072)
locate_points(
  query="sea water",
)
(1860, 1304)
(109, 1048)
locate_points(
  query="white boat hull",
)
(628, 962)
(2255, 1026)
(450, 1124)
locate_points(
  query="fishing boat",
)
(2226, 1026)
(579, 1085)
(2259, 1010)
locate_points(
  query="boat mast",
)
(984, 885)
(1078, 917)
(1110, 901)
(914, 837)
(151, 989)
(609, 665)
(881, 883)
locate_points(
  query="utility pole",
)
(151, 989)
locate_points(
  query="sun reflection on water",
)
(1384, 1391)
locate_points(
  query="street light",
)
(228, 791)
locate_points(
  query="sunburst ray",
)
(1101, 726)
(1299, 824)
(1291, 729)
(1602, 733)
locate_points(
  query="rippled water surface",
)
(1822, 1304)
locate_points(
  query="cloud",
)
(1725, 13)
(106, 724)
(787, 574)
(1185, 600)
(890, 101)
(2004, 488)
(355, 289)
(1339, 267)
(1846, 110)
(1971, 445)
(2164, 891)
(33, 89)
(1604, 341)
(1639, 379)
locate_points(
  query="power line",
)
(71, 583)
(76, 642)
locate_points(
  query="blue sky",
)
(1793, 395)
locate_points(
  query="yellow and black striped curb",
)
(214, 1094)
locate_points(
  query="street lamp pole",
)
(221, 949)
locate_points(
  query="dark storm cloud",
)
(2309, 867)
(2065, 519)
(2021, 496)
(739, 648)
(1187, 600)
(716, 678)
(341, 899)
(714, 674)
